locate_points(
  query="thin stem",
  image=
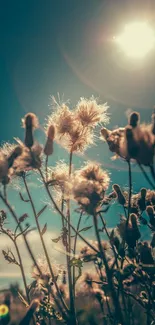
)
(68, 248)
(20, 263)
(22, 270)
(63, 216)
(74, 249)
(46, 167)
(130, 193)
(146, 176)
(20, 227)
(118, 312)
(4, 189)
(44, 247)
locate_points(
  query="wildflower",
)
(90, 113)
(89, 186)
(151, 214)
(48, 149)
(30, 122)
(116, 141)
(130, 233)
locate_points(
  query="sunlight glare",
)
(137, 39)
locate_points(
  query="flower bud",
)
(134, 119)
(15, 153)
(120, 196)
(48, 149)
(105, 133)
(30, 122)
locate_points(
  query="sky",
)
(66, 47)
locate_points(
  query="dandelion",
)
(30, 122)
(90, 113)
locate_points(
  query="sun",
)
(137, 39)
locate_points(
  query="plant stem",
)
(74, 249)
(63, 216)
(44, 246)
(130, 193)
(146, 176)
(22, 270)
(118, 312)
(21, 230)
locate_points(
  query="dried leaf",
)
(23, 217)
(9, 257)
(44, 229)
(56, 239)
(22, 198)
(41, 211)
(85, 229)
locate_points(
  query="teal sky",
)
(66, 47)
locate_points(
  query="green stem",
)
(74, 250)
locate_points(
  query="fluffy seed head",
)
(90, 113)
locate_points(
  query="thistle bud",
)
(48, 149)
(120, 196)
(143, 192)
(30, 122)
(133, 218)
(141, 201)
(134, 119)
(105, 133)
(15, 153)
(151, 214)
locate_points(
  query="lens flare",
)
(137, 39)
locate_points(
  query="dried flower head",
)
(90, 113)
(59, 179)
(89, 186)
